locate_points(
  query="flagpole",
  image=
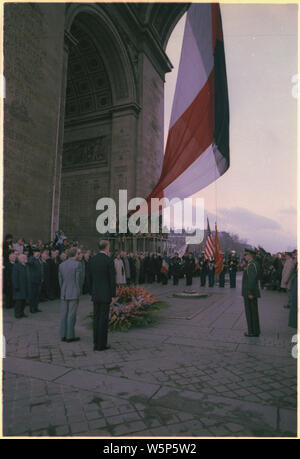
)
(216, 191)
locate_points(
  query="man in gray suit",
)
(70, 284)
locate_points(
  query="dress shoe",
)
(72, 340)
(101, 348)
(63, 339)
(24, 316)
(249, 335)
(38, 310)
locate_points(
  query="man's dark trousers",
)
(222, 279)
(203, 278)
(101, 316)
(175, 280)
(34, 296)
(232, 277)
(252, 317)
(19, 308)
(211, 279)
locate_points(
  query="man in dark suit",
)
(203, 269)
(35, 277)
(189, 268)
(103, 289)
(7, 280)
(175, 267)
(232, 268)
(250, 292)
(20, 283)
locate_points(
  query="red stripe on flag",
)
(188, 138)
(209, 247)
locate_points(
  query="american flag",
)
(209, 244)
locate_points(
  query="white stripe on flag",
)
(196, 61)
(205, 169)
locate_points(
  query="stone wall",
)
(33, 51)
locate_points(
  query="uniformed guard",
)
(189, 268)
(250, 292)
(211, 271)
(202, 270)
(223, 272)
(175, 268)
(232, 268)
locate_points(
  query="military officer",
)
(175, 268)
(202, 269)
(211, 271)
(232, 268)
(189, 268)
(222, 273)
(250, 292)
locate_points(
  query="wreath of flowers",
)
(130, 304)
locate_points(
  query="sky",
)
(257, 197)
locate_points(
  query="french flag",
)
(197, 150)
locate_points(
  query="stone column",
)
(56, 188)
(33, 47)
(123, 152)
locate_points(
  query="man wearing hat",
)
(202, 269)
(175, 266)
(250, 292)
(232, 268)
(223, 272)
(35, 280)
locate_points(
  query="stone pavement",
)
(192, 373)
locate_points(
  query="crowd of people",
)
(31, 270)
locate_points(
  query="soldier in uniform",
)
(175, 268)
(202, 270)
(189, 267)
(211, 271)
(250, 292)
(232, 268)
(222, 273)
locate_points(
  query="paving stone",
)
(33, 369)
(287, 420)
(62, 431)
(78, 427)
(107, 384)
(135, 426)
(97, 424)
(115, 420)
(186, 382)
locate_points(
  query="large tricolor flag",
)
(209, 244)
(197, 150)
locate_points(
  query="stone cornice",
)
(103, 115)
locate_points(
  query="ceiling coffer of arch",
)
(91, 19)
(88, 86)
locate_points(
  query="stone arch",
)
(111, 46)
(163, 18)
(91, 155)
